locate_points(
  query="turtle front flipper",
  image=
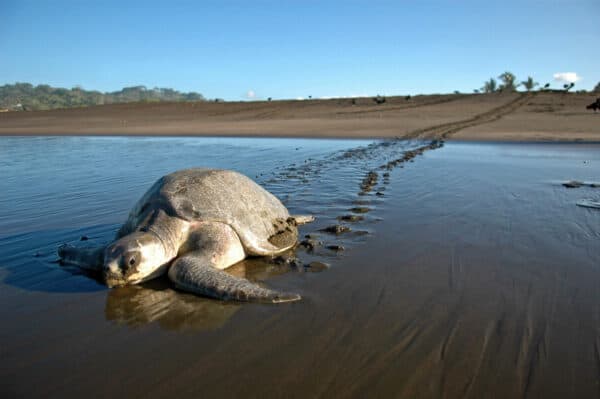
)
(194, 273)
(88, 258)
(209, 249)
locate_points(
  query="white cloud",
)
(251, 95)
(568, 77)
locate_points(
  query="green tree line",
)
(25, 96)
(508, 82)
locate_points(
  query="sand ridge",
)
(536, 116)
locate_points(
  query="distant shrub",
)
(44, 97)
(489, 86)
(379, 99)
(508, 81)
(529, 84)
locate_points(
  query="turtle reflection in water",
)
(192, 224)
(156, 302)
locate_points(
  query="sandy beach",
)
(472, 274)
(424, 220)
(468, 271)
(536, 116)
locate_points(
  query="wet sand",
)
(481, 279)
(546, 116)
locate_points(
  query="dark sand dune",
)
(506, 116)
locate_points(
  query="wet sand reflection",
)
(158, 302)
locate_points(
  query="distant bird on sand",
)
(595, 105)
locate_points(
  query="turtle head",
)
(135, 258)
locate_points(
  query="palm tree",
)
(508, 81)
(529, 84)
(489, 86)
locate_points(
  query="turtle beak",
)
(112, 276)
(112, 283)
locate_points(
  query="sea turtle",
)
(195, 223)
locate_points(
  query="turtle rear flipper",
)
(88, 258)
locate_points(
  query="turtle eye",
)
(130, 260)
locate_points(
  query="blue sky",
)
(285, 49)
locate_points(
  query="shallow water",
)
(64, 189)
(64, 182)
(478, 275)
